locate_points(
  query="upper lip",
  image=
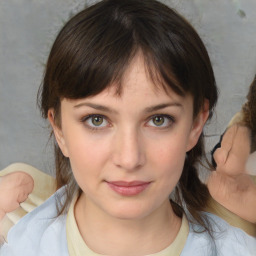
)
(121, 183)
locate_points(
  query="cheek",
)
(87, 159)
(171, 150)
(169, 161)
(84, 147)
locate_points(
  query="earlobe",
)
(198, 125)
(57, 132)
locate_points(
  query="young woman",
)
(127, 90)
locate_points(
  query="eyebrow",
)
(96, 106)
(161, 106)
(110, 110)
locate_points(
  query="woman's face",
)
(127, 152)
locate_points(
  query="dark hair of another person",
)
(94, 49)
(249, 113)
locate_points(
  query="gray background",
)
(28, 28)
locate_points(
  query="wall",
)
(28, 28)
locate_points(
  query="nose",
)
(129, 150)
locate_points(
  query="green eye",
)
(97, 120)
(158, 120)
(161, 121)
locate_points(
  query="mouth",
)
(130, 188)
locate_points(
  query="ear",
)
(57, 132)
(198, 125)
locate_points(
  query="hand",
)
(230, 185)
(14, 189)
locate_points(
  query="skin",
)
(230, 185)
(128, 146)
(14, 189)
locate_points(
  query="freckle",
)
(241, 13)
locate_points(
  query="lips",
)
(130, 188)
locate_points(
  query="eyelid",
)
(169, 117)
(84, 120)
(163, 115)
(86, 117)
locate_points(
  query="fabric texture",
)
(40, 233)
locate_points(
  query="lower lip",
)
(128, 190)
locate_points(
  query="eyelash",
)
(84, 120)
(171, 120)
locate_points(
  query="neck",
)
(106, 234)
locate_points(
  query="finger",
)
(239, 152)
(242, 142)
(220, 156)
(228, 138)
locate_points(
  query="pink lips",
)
(128, 188)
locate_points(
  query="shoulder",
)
(227, 240)
(40, 232)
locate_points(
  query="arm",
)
(230, 185)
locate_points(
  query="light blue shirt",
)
(40, 233)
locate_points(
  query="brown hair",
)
(94, 49)
(249, 113)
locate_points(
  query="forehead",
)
(139, 70)
(138, 90)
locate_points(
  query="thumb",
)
(220, 156)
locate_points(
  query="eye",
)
(95, 121)
(158, 120)
(161, 121)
